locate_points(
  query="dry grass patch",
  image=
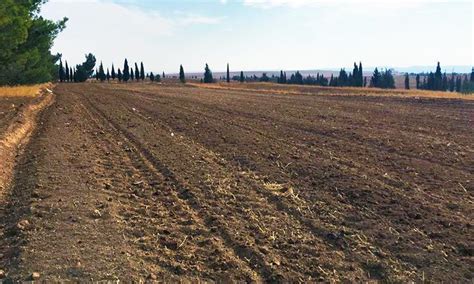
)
(22, 91)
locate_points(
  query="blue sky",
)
(266, 34)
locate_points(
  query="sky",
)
(254, 35)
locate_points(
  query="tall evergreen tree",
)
(71, 78)
(417, 79)
(114, 75)
(126, 71)
(355, 76)
(132, 77)
(407, 81)
(152, 77)
(137, 72)
(361, 75)
(458, 84)
(102, 75)
(164, 76)
(452, 83)
(438, 79)
(228, 73)
(376, 78)
(445, 82)
(67, 72)
(242, 78)
(208, 75)
(119, 75)
(142, 71)
(472, 74)
(182, 76)
(96, 74)
(107, 75)
(62, 73)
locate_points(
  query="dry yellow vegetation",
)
(22, 91)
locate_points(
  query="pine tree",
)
(113, 73)
(67, 72)
(242, 78)
(119, 75)
(152, 77)
(102, 75)
(132, 77)
(108, 75)
(361, 76)
(126, 71)
(182, 77)
(142, 71)
(407, 82)
(228, 73)
(137, 72)
(71, 78)
(208, 75)
(62, 73)
(85, 70)
(417, 81)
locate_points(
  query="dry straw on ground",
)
(22, 91)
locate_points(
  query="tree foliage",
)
(25, 43)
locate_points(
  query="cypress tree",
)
(70, 75)
(365, 81)
(119, 75)
(452, 83)
(228, 73)
(62, 73)
(182, 77)
(113, 73)
(472, 75)
(131, 74)
(417, 81)
(137, 72)
(208, 75)
(361, 76)
(67, 72)
(102, 75)
(97, 74)
(126, 71)
(108, 75)
(375, 80)
(354, 81)
(458, 84)
(407, 82)
(164, 76)
(445, 82)
(242, 78)
(438, 79)
(142, 71)
(152, 77)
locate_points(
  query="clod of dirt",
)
(35, 276)
(152, 277)
(23, 225)
(2, 274)
(107, 185)
(96, 214)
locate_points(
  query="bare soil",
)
(168, 182)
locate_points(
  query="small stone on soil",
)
(35, 276)
(2, 274)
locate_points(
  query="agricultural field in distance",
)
(248, 182)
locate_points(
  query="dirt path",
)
(134, 181)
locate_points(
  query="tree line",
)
(380, 79)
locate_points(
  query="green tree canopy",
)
(26, 40)
(86, 69)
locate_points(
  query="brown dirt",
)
(179, 182)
